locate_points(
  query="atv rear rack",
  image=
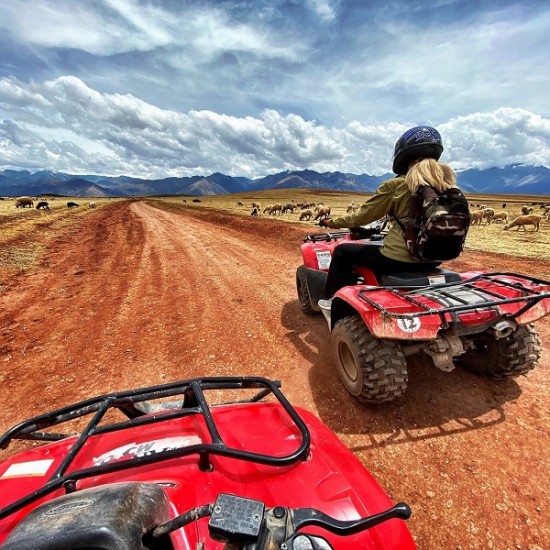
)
(470, 294)
(134, 404)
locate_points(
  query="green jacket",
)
(391, 197)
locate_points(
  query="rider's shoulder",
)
(393, 183)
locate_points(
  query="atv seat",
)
(109, 517)
(420, 278)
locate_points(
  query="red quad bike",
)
(206, 463)
(481, 321)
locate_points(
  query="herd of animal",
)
(484, 215)
(481, 214)
(43, 204)
(529, 216)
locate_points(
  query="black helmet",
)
(418, 142)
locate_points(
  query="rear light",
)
(478, 317)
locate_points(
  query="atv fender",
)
(410, 327)
(315, 284)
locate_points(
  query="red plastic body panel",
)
(390, 315)
(331, 480)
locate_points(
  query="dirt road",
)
(134, 295)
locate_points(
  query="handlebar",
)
(242, 521)
(374, 231)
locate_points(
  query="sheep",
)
(276, 208)
(306, 215)
(24, 202)
(500, 217)
(488, 214)
(91, 205)
(323, 213)
(43, 205)
(476, 217)
(522, 221)
(526, 210)
(72, 204)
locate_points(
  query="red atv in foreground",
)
(199, 464)
(481, 321)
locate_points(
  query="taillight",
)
(478, 317)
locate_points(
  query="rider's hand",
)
(325, 222)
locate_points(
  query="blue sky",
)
(248, 88)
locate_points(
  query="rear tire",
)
(303, 291)
(505, 357)
(371, 369)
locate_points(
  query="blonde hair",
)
(430, 172)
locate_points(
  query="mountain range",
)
(510, 180)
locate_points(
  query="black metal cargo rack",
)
(456, 297)
(134, 404)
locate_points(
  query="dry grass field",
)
(18, 224)
(485, 237)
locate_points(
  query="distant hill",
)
(518, 179)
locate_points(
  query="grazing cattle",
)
(43, 205)
(72, 204)
(306, 215)
(24, 202)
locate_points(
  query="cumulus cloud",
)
(83, 130)
(251, 87)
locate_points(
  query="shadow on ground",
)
(436, 404)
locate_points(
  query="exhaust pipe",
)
(503, 329)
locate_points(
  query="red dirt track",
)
(134, 295)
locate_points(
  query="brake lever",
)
(301, 517)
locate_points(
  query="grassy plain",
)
(24, 232)
(486, 237)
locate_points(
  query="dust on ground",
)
(133, 295)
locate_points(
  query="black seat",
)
(419, 278)
(110, 517)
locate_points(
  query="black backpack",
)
(438, 224)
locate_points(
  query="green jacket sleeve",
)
(374, 208)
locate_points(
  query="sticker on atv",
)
(409, 325)
(323, 258)
(436, 279)
(28, 469)
(136, 450)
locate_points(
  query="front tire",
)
(507, 357)
(372, 370)
(303, 291)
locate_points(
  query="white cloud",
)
(88, 131)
